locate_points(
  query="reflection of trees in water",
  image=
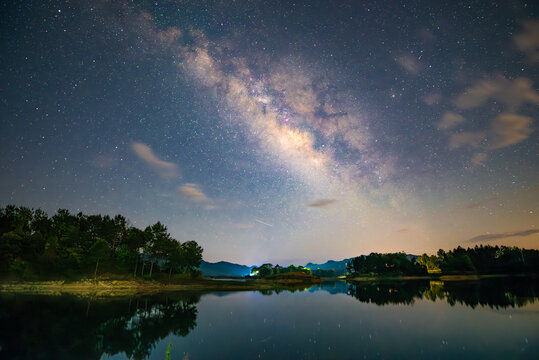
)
(46, 327)
(137, 333)
(493, 292)
(382, 293)
(331, 286)
(291, 288)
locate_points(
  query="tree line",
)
(385, 264)
(483, 260)
(477, 260)
(34, 245)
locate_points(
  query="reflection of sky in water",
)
(491, 318)
(318, 324)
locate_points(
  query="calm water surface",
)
(494, 319)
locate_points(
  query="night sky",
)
(278, 132)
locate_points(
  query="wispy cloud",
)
(322, 203)
(505, 129)
(450, 120)
(509, 129)
(492, 237)
(479, 158)
(512, 93)
(528, 40)
(409, 63)
(466, 138)
(165, 169)
(193, 192)
(432, 98)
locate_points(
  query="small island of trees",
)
(267, 269)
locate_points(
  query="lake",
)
(494, 318)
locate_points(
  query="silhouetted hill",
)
(224, 268)
(338, 266)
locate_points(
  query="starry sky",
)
(280, 132)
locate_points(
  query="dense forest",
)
(385, 264)
(478, 260)
(483, 260)
(36, 246)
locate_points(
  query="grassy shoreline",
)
(108, 287)
(86, 287)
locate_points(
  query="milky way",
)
(282, 132)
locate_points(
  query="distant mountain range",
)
(223, 269)
(338, 266)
